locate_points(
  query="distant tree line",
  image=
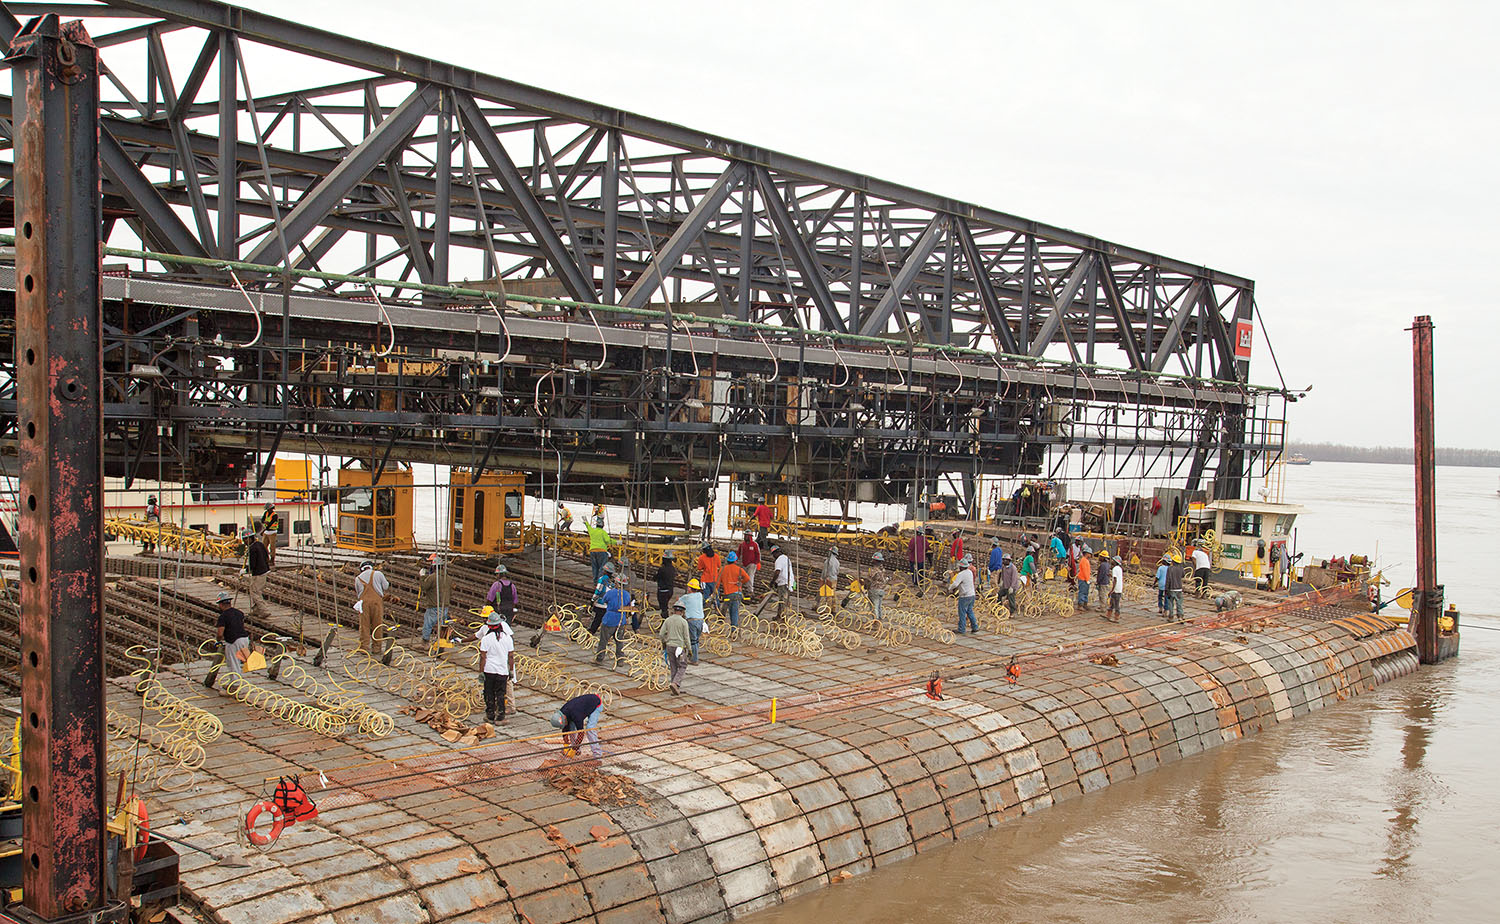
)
(1338, 452)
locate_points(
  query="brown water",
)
(1381, 809)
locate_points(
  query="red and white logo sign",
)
(1244, 339)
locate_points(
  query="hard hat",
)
(695, 584)
(225, 596)
(668, 554)
(151, 499)
(708, 549)
(731, 557)
(678, 605)
(609, 567)
(487, 610)
(877, 557)
(501, 569)
(366, 565)
(269, 505)
(494, 619)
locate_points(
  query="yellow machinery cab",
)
(375, 516)
(485, 514)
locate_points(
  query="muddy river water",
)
(1381, 809)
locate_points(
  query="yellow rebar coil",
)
(178, 746)
(331, 695)
(858, 618)
(646, 666)
(173, 709)
(432, 683)
(715, 636)
(791, 637)
(303, 715)
(172, 536)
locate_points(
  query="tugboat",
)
(1298, 458)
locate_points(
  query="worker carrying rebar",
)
(370, 588)
(270, 528)
(434, 594)
(231, 634)
(257, 569)
(498, 664)
(600, 542)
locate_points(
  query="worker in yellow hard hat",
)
(692, 610)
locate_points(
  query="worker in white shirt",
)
(1116, 589)
(961, 584)
(498, 662)
(785, 583)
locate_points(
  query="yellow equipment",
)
(375, 516)
(486, 515)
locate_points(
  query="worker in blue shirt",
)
(996, 560)
(615, 600)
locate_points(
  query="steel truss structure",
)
(720, 307)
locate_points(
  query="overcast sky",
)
(1343, 155)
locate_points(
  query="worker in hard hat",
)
(497, 664)
(257, 570)
(876, 584)
(231, 634)
(270, 527)
(675, 645)
(564, 519)
(961, 585)
(615, 600)
(578, 717)
(153, 515)
(605, 582)
(1175, 574)
(692, 610)
(600, 542)
(434, 594)
(1085, 575)
(732, 581)
(709, 564)
(370, 588)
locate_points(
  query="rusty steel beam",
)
(1427, 599)
(59, 371)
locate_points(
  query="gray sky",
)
(1340, 154)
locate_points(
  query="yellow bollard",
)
(773, 710)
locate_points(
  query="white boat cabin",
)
(1250, 532)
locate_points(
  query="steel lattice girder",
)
(370, 170)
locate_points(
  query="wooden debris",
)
(600, 833)
(1105, 660)
(591, 784)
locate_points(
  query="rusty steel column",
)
(1427, 598)
(58, 373)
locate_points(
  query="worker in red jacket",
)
(749, 559)
(916, 553)
(763, 520)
